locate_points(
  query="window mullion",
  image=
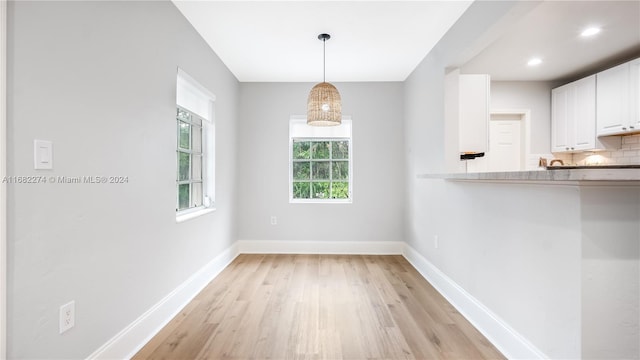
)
(310, 172)
(331, 169)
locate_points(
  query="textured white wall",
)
(99, 80)
(263, 158)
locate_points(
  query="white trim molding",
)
(497, 331)
(320, 247)
(132, 338)
(3, 173)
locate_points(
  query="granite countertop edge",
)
(556, 175)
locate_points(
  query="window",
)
(190, 160)
(320, 163)
(195, 166)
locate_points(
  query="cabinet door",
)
(473, 112)
(560, 119)
(634, 95)
(612, 110)
(584, 114)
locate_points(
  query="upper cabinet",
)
(466, 113)
(585, 112)
(618, 99)
(573, 117)
(473, 112)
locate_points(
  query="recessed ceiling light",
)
(590, 31)
(534, 62)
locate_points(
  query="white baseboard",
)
(132, 338)
(320, 247)
(500, 334)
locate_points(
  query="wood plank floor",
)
(319, 307)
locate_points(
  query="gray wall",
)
(99, 80)
(263, 164)
(504, 244)
(558, 263)
(532, 95)
(610, 272)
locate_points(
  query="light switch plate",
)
(42, 155)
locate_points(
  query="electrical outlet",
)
(67, 316)
(436, 242)
(274, 220)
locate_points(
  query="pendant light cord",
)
(324, 59)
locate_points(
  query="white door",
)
(505, 145)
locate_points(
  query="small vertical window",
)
(191, 156)
(195, 135)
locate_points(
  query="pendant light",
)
(323, 105)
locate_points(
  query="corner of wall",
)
(497, 331)
(131, 339)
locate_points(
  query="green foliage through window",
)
(320, 169)
(190, 158)
(301, 149)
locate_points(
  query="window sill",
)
(319, 201)
(193, 214)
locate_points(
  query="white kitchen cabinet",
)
(618, 99)
(473, 112)
(573, 118)
(466, 113)
(634, 71)
(560, 118)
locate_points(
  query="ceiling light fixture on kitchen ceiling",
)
(590, 31)
(534, 62)
(324, 106)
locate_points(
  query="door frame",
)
(3, 173)
(525, 133)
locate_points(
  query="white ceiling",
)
(551, 31)
(276, 41)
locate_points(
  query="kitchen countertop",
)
(595, 167)
(628, 176)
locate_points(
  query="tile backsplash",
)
(629, 153)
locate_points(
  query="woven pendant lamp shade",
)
(324, 107)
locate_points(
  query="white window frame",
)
(197, 100)
(298, 129)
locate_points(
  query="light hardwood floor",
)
(319, 307)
